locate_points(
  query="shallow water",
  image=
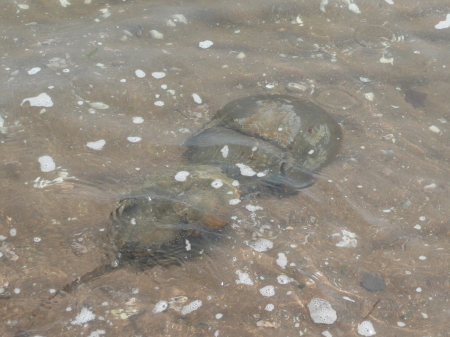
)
(381, 208)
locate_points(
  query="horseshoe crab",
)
(280, 140)
(171, 217)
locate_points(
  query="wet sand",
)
(381, 208)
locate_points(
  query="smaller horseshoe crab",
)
(169, 218)
(281, 140)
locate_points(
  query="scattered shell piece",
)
(205, 44)
(160, 307)
(429, 188)
(159, 103)
(23, 6)
(140, 73)
(261, 245)
(41, 100)
(225, 151)
(365, 328)
(434, 129)
(244, 278)
(369, 96)
(138, 120)
(181, 176)
(34, 71)
(47, 163)
(354, 8)
(197, 98)
(365, 79)
(282, 260)
(295, 87)
(134, 139)
(84, 316)
(387, 60)
(156, 35)
(321, 311)
(179, 17)
(443, 24)
(234, 202)
(267, 291)
(268, 324)
(158, 74)
(217, 183)
(240, 56)
(170, 23)
(98, 105)
(191, 307)
(64, 3)
(97, 145)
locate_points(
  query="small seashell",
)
(429, 188)
(369, 96)
(205, 44)
(156, 35)
(434, 129)
(170, 23)
(98, 105)
(179, 17)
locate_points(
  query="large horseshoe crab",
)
(273, 141)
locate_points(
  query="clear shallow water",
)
(389, 186)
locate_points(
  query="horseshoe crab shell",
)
(283, 140)
(152, 223)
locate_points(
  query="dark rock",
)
(372, 283)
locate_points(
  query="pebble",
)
(372, 283)
(156, 35)
(140, 73)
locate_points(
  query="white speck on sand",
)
(244, 278)
(191, 307)
(205, 44)
(41, 100)
(261, 245)
(224, 151)
(140, 73)
(267, 291)
(181, 176)
(34, 71)
(84, 316)
(158, 74)
(443, 24)
(97, 145)
(47, 163)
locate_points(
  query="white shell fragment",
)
(217, 183)
(434, 129)
(134, 139)
(267, 291)
(354, 8)
(191, 307)
(98, 105)
(158, 74)
(156, 35)
(97, 145)
(225, 151)
(244, 278)
(205, 44)
(443, 24)
(160, 307)
(321, 311)
(181, 176)
(365, 328)
(47, 163)
(34, 71)
(140, 73)
(138, 120)
(369, 96)
(246, 170)
(261, 245)
(159, 103)
(197, 99)
(64, 3)
(179, 17)
(41, 100)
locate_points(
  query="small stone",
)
(372, 283)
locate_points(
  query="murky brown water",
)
(381, 208)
